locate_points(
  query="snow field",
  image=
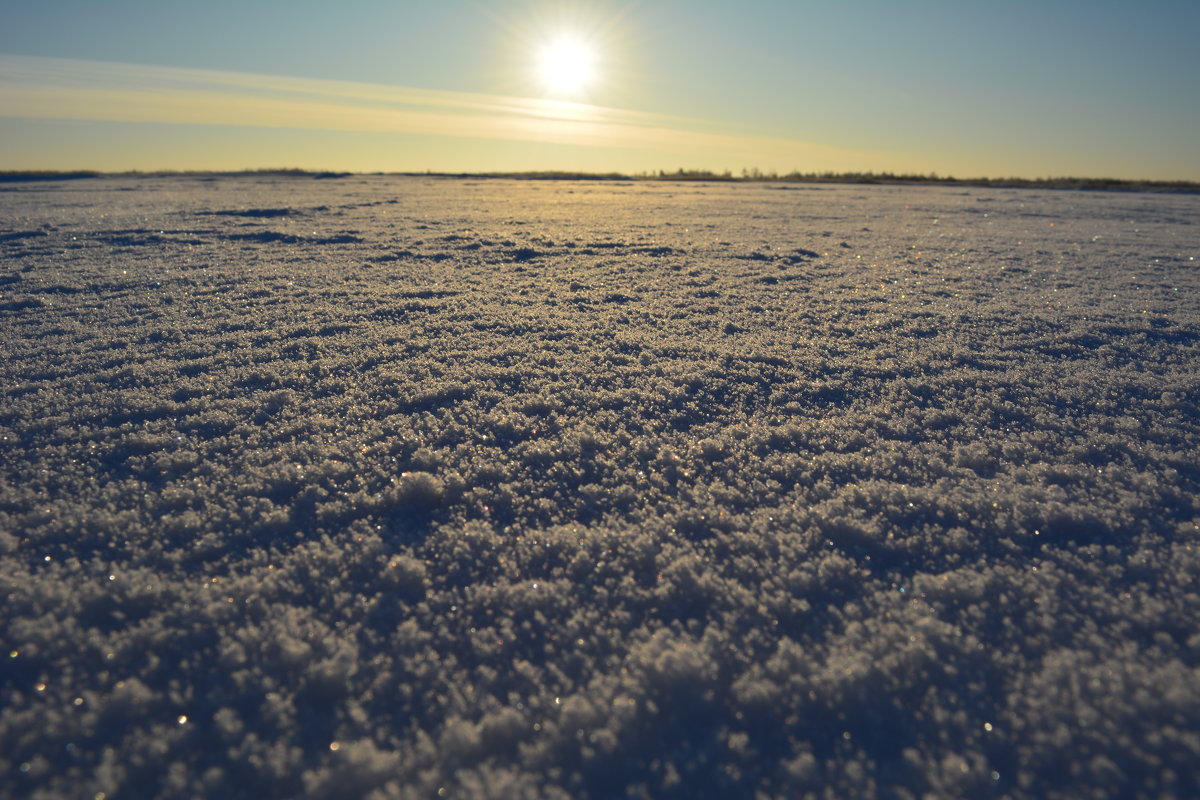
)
(378, 486)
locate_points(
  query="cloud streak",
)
(52, 88)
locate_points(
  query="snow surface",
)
(380, 486)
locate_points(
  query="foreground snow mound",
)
(399, 487)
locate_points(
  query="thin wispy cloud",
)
(54, 88)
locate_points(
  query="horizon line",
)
(750, 175)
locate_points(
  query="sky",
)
(963, 88)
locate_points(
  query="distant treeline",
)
(17, 176)
(14, 176)
(756, 175)
(752, 175)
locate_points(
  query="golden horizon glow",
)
(332, 124)
(46, 88)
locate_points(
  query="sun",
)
(566, 66)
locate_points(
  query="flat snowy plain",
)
(408, 487)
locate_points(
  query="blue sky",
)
(963, 88)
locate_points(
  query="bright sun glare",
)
(566, 66)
